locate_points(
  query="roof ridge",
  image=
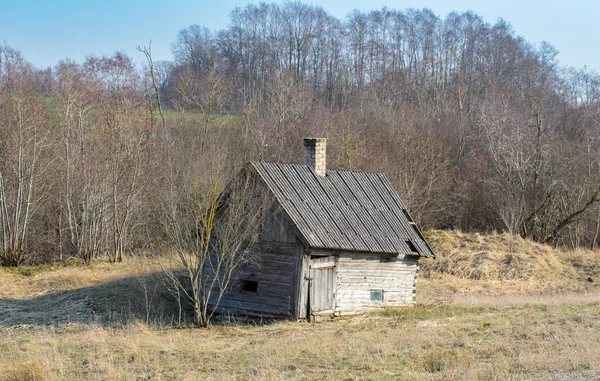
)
(328, 170)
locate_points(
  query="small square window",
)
(377, 295)
(250, 286)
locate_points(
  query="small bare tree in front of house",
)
(213, 233)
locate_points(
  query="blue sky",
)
(47, 31)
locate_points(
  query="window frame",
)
(374, 292)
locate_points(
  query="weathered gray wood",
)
(280, 187)
(303, 281)
(277, 229)
(323, 283)
(276, 271)
(337, 223)
(359, 273)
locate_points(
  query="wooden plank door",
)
(323, 284)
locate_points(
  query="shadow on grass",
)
(145, 298)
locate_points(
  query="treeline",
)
(476, 128)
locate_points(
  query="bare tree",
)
(125, 138)
(513, 156)
(23, 138)
(155, 82)
(213, 233)
(202, 92)
(194, 47)
(477, 128)
(85, 193)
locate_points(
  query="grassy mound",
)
(475, 263)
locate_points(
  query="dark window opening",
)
(250, 286)
(407, 216)
(377, 295)
(412, 247)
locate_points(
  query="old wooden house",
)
(339, 242)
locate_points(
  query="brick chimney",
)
(314, 154)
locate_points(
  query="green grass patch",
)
(421, 313)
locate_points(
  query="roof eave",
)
(393, 253)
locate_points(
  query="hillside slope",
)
(484, 264)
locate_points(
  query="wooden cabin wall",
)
(358, 274)
(275, 272)
(277, 228)
(275, 268)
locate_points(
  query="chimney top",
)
(315, 154)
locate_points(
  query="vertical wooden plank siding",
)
(323, 283)
(358, 274)
(303, 284)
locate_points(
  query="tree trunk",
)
(572, 218)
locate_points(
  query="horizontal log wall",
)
(276, 272)
(358, 274)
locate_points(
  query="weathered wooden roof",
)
(344, 210)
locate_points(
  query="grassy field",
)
(482, 313)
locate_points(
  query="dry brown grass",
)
(29, 282)
(101, 292)
(537, 341)
(475, 264)
(473, 324)
(26, 370)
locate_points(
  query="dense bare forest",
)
(476, 128)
